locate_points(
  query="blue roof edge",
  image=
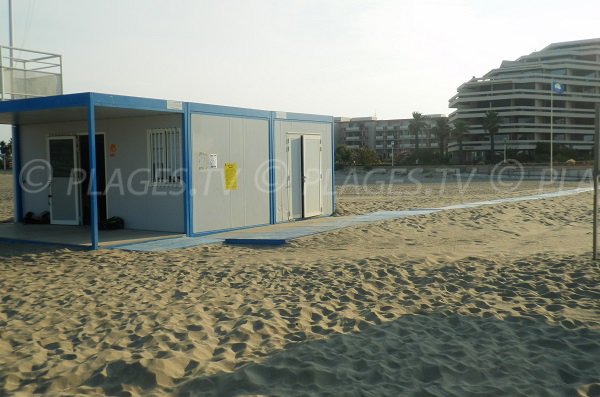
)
(162, 105)
(45, 103)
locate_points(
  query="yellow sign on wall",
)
(230, 176)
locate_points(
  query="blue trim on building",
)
(16, 165)
(91, 122)
(272, 197)
(139, 103)
(186, 149)
(45, 103)
(233, 229)
(82, 100)
(332, 169)
(255, 241)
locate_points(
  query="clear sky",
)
(338, 57)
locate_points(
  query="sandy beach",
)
(6, 202)
(501, 300)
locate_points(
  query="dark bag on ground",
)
(42, 218)
(114, 223)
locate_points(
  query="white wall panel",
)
(243, 141)
(157, 208)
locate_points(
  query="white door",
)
(311, 175)
(294, 148)
(64, 191)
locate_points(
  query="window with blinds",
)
(164, 155)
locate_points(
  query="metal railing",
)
(27, 74)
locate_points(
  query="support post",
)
(332, 166)
(91, 120)
(595, 235)
(16, 169)
(10, 28)
(186, 177)
(11, 44)
(271, 150)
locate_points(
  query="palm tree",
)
(490, 124)
(415, 126)
(442, 132)
(459, 130)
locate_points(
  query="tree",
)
(343, 155)
(490, 124)
(415, 126)
(459, 130)
(364, 156)
(5, 152)
(442, 133)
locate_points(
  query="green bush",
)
(364, 156)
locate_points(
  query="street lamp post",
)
(392, 154)
(558, 88)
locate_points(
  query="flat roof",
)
(74, 107)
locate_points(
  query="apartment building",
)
(529, 111)
(384, 136)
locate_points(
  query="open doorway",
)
(84, 161)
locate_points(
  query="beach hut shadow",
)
(428, 354)
(16, 249)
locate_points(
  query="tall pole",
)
(10, 49)
(595, 223)
(551, 130)
(10, 27)
(392, 154)
(596, 175)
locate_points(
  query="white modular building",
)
(166, 166)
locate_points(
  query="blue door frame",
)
(91, 121)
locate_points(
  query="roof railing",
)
(29, 74)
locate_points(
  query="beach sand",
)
(6, 203)
(501, 300)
